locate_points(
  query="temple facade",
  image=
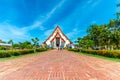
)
(57, 39)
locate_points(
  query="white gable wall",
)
(66, 40)
(61, 34)
(51, 37)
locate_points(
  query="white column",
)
(60, 41)
(55, 43)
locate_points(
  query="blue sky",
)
(25, 19)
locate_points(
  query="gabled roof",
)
(61, 32)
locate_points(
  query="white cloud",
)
(54, 9)
(95, 3)
(73, 33)
(38, 23)
(8, 32)
(91, 3)
(48, 32)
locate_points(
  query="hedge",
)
(107, 53)
(5, 54)
(9, 53)
(75, 50)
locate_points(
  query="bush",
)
(23, 52)
(2, 48)
(16, 53)
(4, 54)
(75, 50)
(107, 53)
(41, 49)
(9, 53)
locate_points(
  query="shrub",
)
(16, 53)
(8, 53)
(4, 54)
(2, 48)
(75, 50)
(41, 49)
(23, 52)
(107, 53)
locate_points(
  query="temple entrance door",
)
(57, 42)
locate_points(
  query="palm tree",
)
(35, 41)
(11, 42)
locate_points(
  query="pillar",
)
(55, 43)
(60, 42)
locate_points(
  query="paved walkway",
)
(59, 65)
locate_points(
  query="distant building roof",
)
(3, 44)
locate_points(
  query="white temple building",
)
(58, 39)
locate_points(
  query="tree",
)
(15, 46)
(95, 32)
(11, 42)
(87, 42)
(84, 42)
(102, 36)
(112, 23)
(116, 38)
(78, 42)
(25, 45)
(118, 5)
(35, 43)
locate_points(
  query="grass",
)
(102, 57)
(17, 57)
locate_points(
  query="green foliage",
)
(112, 23)
(118, 5)
(116, 38)
(35, 45)
(100, 36)
(16, 53)
(4, 54)
(107, 53)
(25, 45)
(104, 36)
(2, 48)
(41, 49)
(75, 50)
(9, 53)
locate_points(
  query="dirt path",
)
(59, 65)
